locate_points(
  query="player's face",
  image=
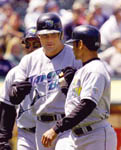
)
(50, 42)
(77, 52)
(32, 44)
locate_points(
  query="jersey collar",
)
(90, 60)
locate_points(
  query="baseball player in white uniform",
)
(25, 120)
(42, 67)
(87, 105)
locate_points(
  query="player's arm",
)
(21, 86)
(81, 111)
(86, 105)
(84, 109)
(7, 113)
(66, 77)
(7, 119)
(18, 91)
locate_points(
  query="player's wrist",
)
(56, 129)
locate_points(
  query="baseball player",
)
(8, 110)
(87, 105)
(42, 68)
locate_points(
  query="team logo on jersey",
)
(77, 87)
(78, 90)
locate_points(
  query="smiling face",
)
(51, 43)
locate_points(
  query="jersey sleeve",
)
(22, 70)
(4, 96)
(93, 86)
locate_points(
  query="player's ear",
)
(80, 44)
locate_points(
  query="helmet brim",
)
(23, 41)
(41, 32)
(71, 41)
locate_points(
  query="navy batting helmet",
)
(88, 34)
(49, 23)
(29, 33)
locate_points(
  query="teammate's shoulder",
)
(96, 66)
(11, 75)
(36, 52)
(12, 71)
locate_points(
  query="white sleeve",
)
(4, 95)
(22, 71)
(93, 86)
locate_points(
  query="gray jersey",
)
(24, 117)
(43, 74)
(90, 82)
(4, 94)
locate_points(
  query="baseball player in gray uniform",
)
(25, 121)
(87, 106)
(42, 68)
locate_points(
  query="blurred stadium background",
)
(18, 15)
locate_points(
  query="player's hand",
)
(69, 74)
(66, 77)
(48, 137)
(18, 91)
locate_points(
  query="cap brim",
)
(71, 41)
(47, 32)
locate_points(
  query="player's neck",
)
(90, 56)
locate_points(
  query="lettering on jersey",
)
(44, 84)
(51, 79)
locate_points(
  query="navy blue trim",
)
(91, 60)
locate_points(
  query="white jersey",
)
(4, 95)
(43, 74)
(24, 117)
(90, 82)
